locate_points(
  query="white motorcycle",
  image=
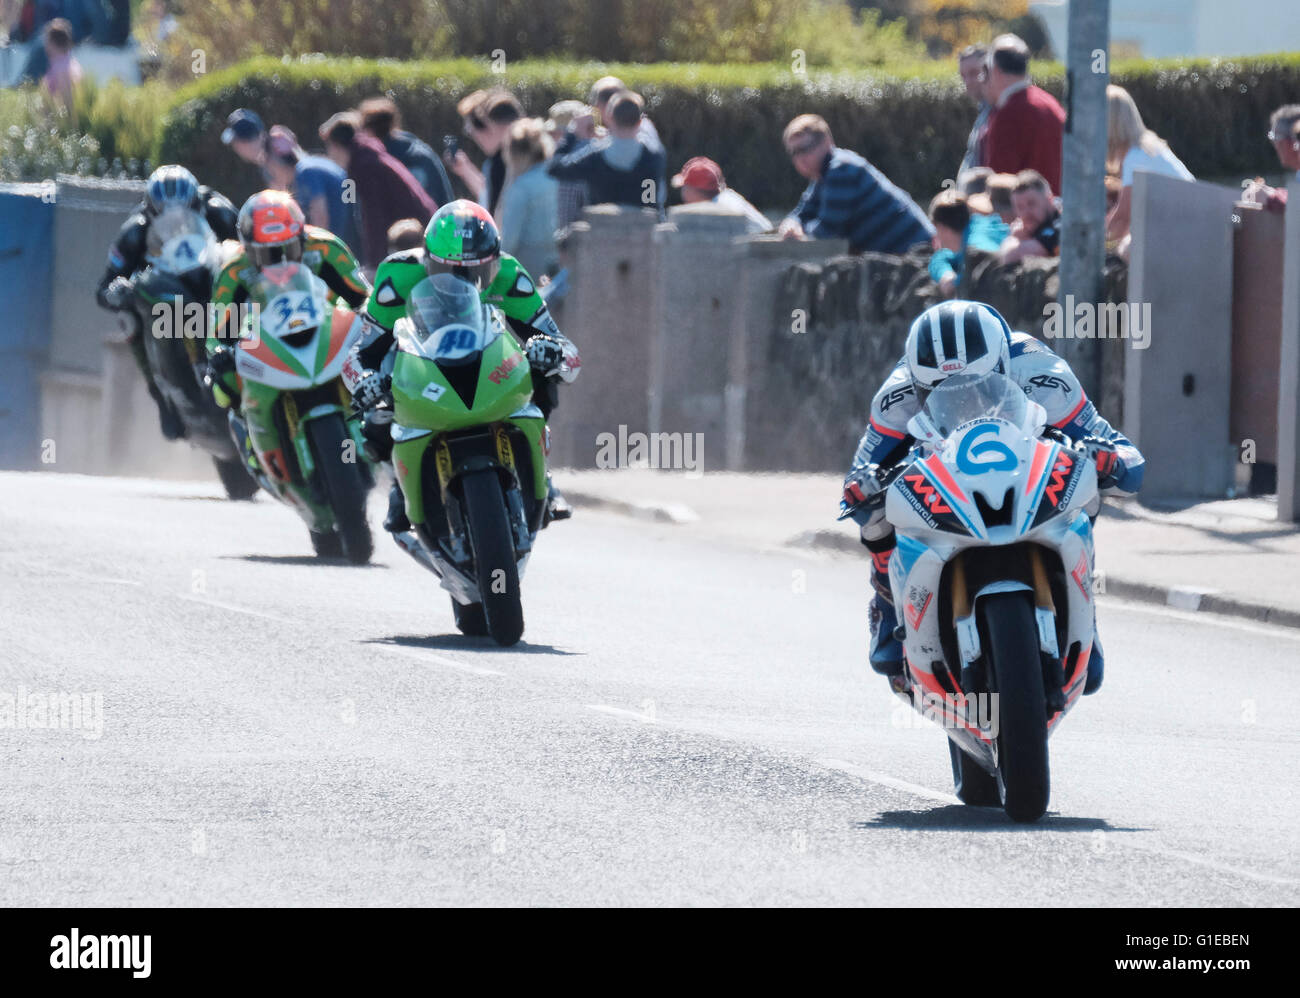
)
(992, 577)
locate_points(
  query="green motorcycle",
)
(298, 413)
(469, 452)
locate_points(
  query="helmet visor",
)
(480, 274)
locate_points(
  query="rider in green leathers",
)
(461, 239)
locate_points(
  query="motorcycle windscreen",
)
(180, 240)
(449, 323)
(965, 397)
(289, 306)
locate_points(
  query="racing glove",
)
(863, 492)
(369, 391)
(545, 355)
(1104, 455)
(119, 294)
(221, 377)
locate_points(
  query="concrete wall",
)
(1178, 390)
(1288, 409)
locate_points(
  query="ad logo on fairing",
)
(964, 711)
(988, 455)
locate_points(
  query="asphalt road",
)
(686, 723)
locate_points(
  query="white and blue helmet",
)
(956, 337)
(171, 186)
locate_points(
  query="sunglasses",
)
(805, 147)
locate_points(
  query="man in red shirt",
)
(1027, 124)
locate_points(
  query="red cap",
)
(701, 173)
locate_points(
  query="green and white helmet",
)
(461, 239)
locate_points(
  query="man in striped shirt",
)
(847, 197)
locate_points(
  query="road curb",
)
(669, 512)
(1177, 597)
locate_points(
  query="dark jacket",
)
(594, 163)
(427, 168)
(386, 193)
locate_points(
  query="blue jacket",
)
(853, 200)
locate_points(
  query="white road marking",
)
(220, 605)
(102, 579)
(429, 658)
(635, 715)
(888, 781)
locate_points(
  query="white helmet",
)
(956, 337)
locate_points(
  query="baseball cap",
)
(242, 124)
(701, 173)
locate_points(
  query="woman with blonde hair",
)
(529, 204)
(1133, 148)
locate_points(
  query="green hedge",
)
(1214, 113)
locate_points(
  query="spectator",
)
(405, 234)
(1037, 228)
(971, 66)
(701, 182)
(385, 189)
(64, 73)
(1281, 133)
(1133, 148)
(529, 205)
(380, 117)
(246, 136)
(622, 167)
(603, 91)
(488, 116)
(999, 188)
(1026, 124)
(571, 195)
(316, 183)
(847, 197)
(974, 181)
(956, 229)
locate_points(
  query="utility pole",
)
(1083, 178)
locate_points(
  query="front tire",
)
(235, 479)
(344, 486)
(1016, 676)
(494, 556)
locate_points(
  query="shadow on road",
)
(462, 642)
(964, 818)
(298, 559)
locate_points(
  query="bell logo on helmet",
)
(951, 366)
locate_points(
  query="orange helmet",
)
(271, 228)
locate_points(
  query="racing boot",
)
(169, 420)
(557, 507)
(396, 521)
(886, 653)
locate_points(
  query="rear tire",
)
(470, 620)
(344, 486)
(974, 786)
(494, 556)
(1016, 675)
(235, 479)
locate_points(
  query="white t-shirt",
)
(1138, 160)
(756, 221)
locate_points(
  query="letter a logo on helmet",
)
(957, 337)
